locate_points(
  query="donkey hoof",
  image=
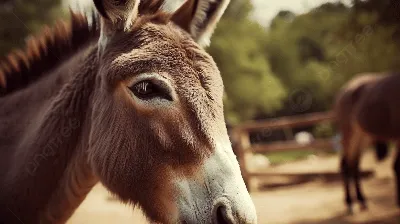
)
(350, 211)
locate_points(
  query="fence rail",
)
(292, 121)
(243, 147)
(291, 145)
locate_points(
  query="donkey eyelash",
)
(149, 89)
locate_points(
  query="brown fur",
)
(366, 112)
(346, 104)
(68, 120)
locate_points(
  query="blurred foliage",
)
(276, 158)
(250, 84)
(20, 18)
(313, 53)
(323, 130)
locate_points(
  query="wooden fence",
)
(243, 147)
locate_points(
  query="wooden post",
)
(288, 133)
(241, 149)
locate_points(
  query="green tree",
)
(322, 49)
(299, 50)
(237, 48)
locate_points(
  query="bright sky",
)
(265, 10)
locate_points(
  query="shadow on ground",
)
(343, 219)
(387, 213)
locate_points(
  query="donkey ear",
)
(200, 17)
(117, 13)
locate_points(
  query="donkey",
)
(131, 100)
(366, 113)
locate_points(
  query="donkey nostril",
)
(222, 216)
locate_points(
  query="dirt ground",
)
(313, 202)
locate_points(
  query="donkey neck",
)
(46, 172)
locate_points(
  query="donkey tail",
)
(381, 149)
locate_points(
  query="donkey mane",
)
(53, 45)
(45, 51)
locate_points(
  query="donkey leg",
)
(344, 168)
(351, 144)
(397, 172)
(359, 191)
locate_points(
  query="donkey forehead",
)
(169, 51)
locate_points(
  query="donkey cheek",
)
(167, 207)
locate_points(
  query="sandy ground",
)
(313, 202)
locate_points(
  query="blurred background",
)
(285, 58)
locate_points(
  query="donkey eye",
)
(144, 88)
(147, 90)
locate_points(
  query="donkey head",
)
(158, 137)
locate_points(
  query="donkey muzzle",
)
(219, 196)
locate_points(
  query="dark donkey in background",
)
(136, 105)
(367, 111)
